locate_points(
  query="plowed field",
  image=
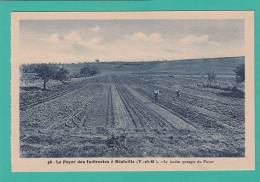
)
(116, 115)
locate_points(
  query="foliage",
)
(240, 73)
(61, 74)
(89, 71)
(47, 72)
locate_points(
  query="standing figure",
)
(178, 92)
(156, 95)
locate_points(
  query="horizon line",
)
(135, 61)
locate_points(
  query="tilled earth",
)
(116, 116)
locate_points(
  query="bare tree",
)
(212, 76)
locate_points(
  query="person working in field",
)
(156, 95)
(178, 92)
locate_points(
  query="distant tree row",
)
(47, 72)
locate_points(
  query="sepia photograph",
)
(132, 85)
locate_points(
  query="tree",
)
(45, 72)
(61, 74)
(240, 73)
(89, 71)
(212, 76)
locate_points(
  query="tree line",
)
(47, 72)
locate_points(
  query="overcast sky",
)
(130, 40)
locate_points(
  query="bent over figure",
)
(178, 92)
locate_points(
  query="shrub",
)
(89, 71)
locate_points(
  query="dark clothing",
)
(156, 96)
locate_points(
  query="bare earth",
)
(116, 116)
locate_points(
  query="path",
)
(122, 118)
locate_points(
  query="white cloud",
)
(94, 41)
(193, 39)
(54, 38)
(74, 46)
(72, 43)
(95, 29)
(73, 37)
(140, 36)
(156, 37)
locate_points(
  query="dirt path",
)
(96, 116)
(110, 113)
(122, 118)
(175, 120)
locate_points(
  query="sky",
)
(129, 40)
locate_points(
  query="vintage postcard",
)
(132, 91)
